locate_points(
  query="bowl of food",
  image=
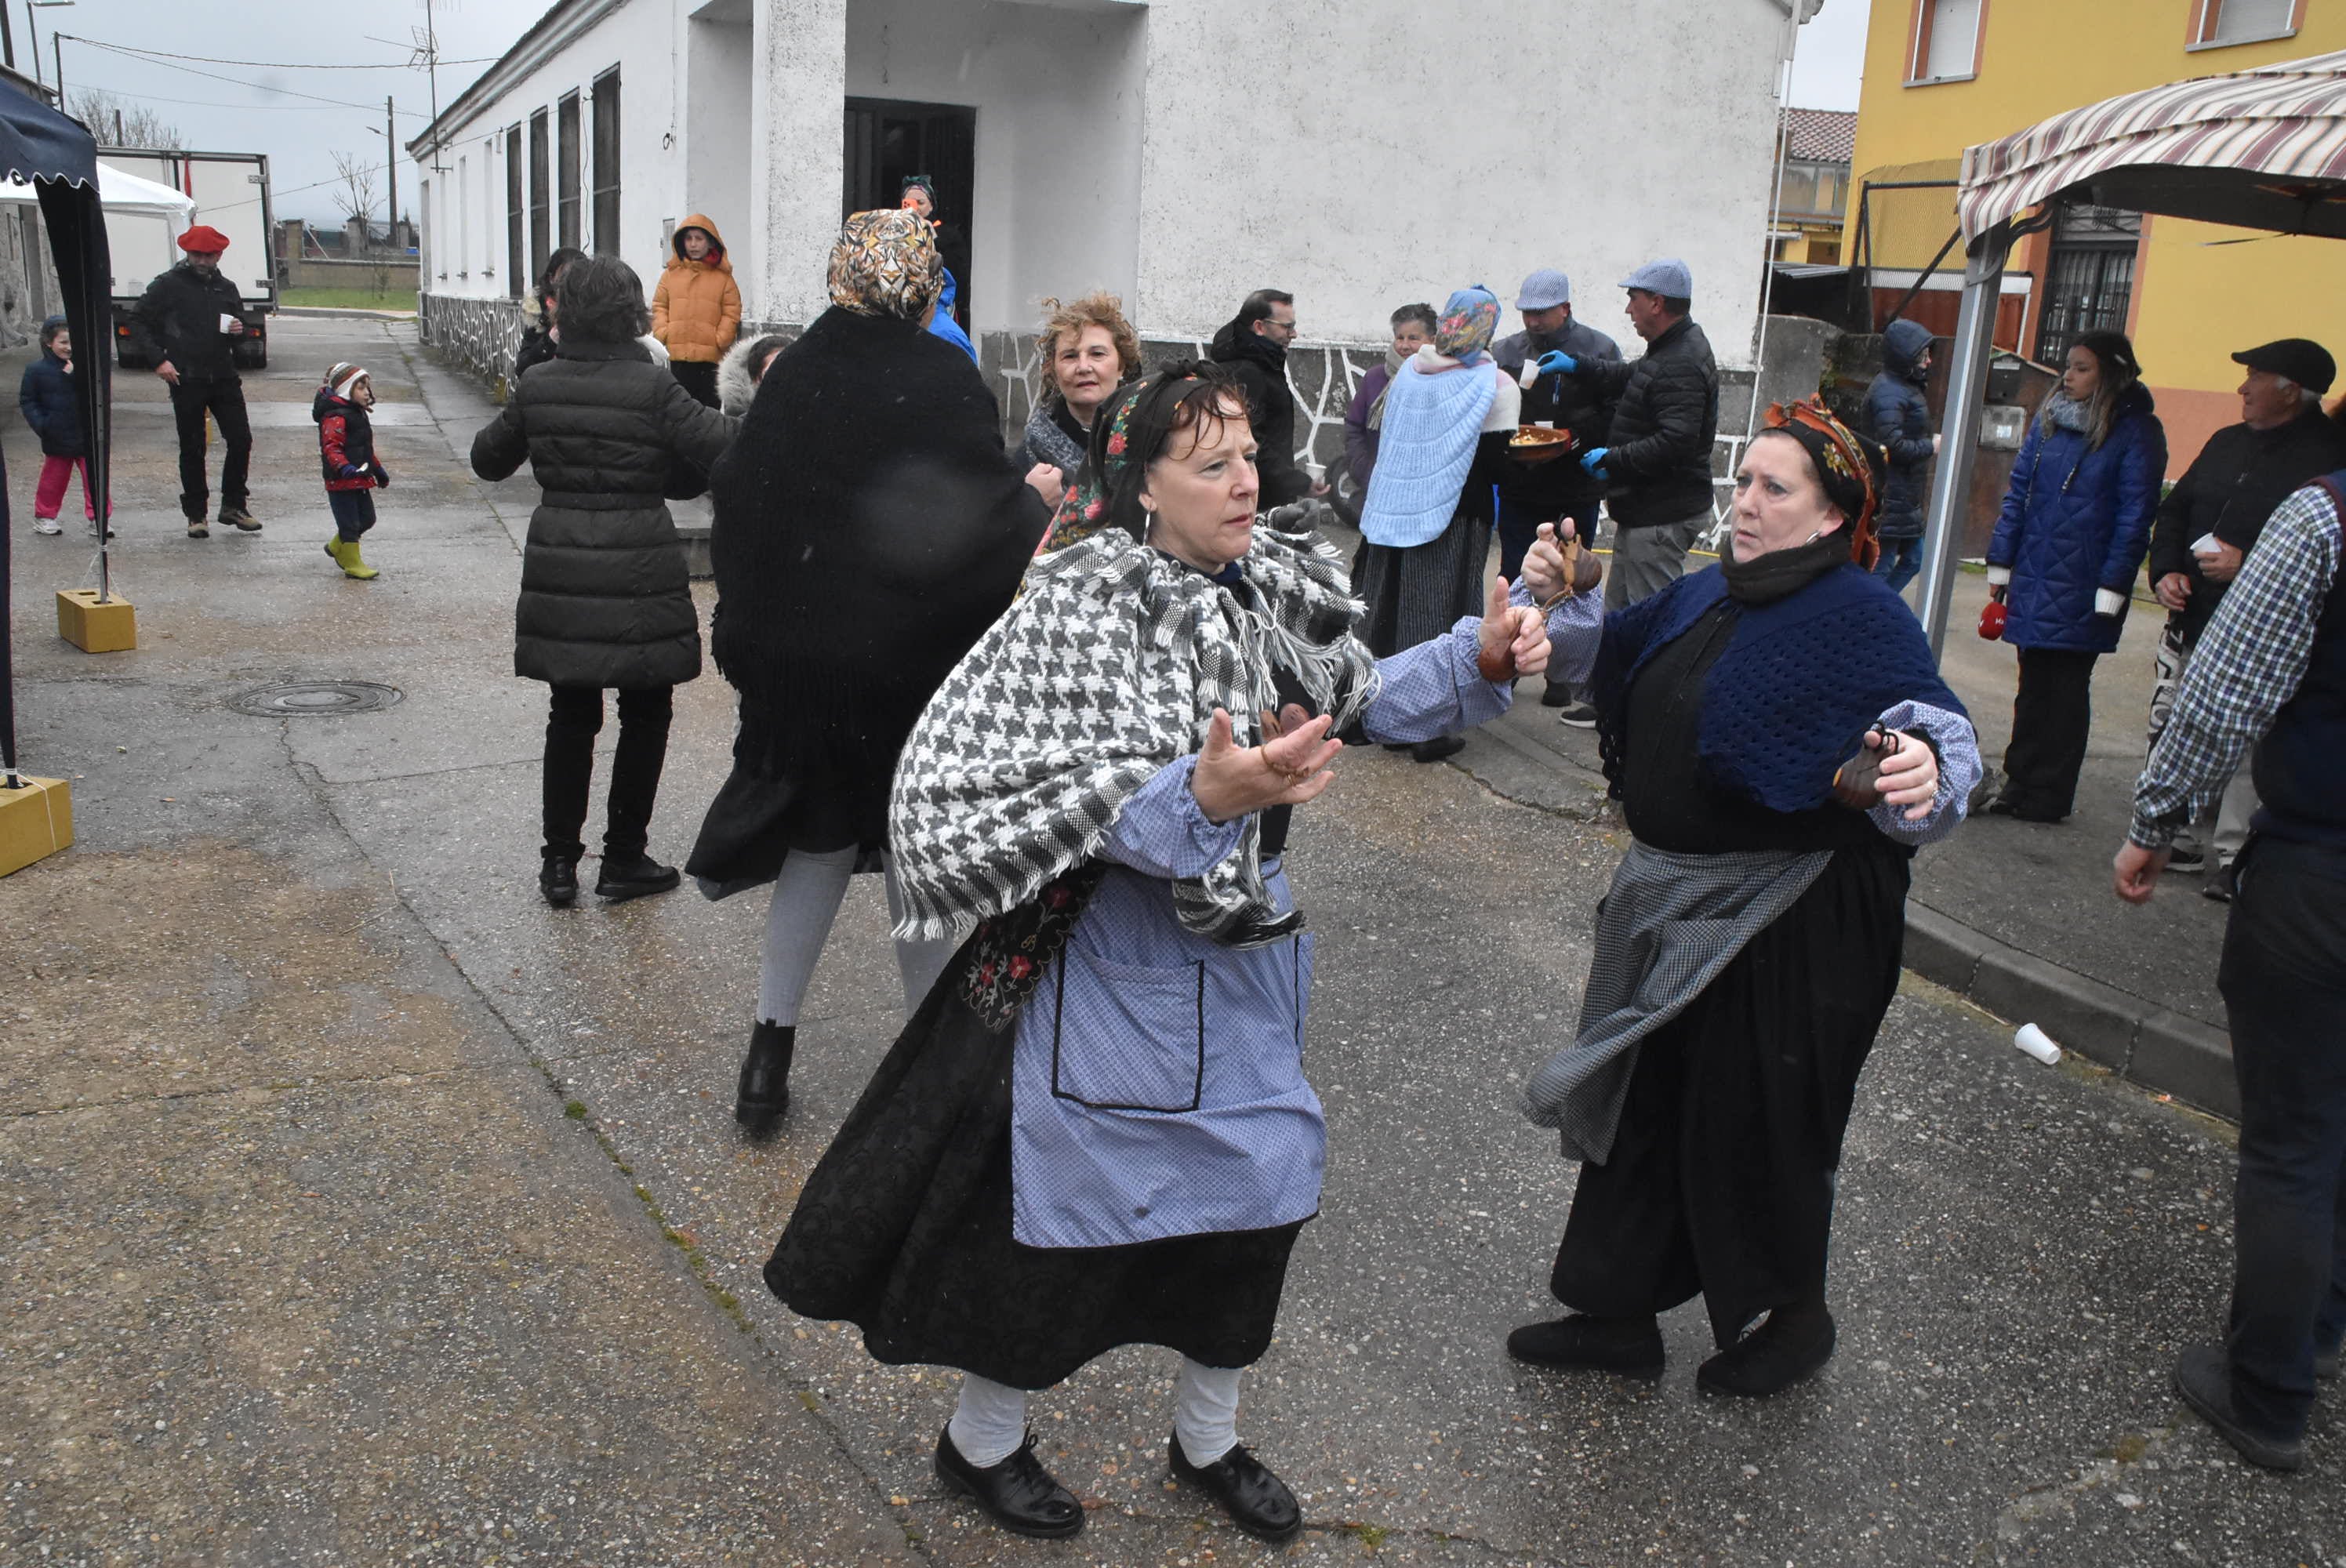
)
(1538, 444)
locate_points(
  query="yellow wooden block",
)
(93, 627)
(34, 821)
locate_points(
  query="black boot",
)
(557, 878)
(633, 877)
(1792, 1344)
(1440, 747)
(765, 1091)
(1257, 1500)
(1631, 1347)
(1019, 1494)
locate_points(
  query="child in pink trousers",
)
(47, 397)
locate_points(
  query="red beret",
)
(203, 236)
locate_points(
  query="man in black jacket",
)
(1531, 493)
(187, 326)
(2211, 519)
(1254, 346)
(1655, 465)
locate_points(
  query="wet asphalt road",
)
(356, 1206)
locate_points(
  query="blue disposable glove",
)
(1555, 361)
(1594, 461)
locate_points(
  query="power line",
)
(263, 64)
(232, 81)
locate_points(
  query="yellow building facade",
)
(1945, 75)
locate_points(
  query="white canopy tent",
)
(2257, 149)
(143, 221)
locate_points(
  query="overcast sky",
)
(256, 106)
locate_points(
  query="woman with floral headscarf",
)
(1097, 1131)
(1780, 739)
(868, 527)
(1425, 526)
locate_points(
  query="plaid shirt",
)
(2247, 665)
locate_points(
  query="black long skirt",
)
(903, 1229)
(1417, 592)
(1721, 1178)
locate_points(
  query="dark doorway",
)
(888, 140)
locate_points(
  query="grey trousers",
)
(1648, 559)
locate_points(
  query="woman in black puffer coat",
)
(605, 598)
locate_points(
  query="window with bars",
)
(2089, 277)
(1946, 46)
(2218, 22)
(607, 163)
(566, 150)
(540, 193)
(515, 199)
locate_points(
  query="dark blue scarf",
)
(1788, 701)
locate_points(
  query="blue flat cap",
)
(1545, 290)
(1666, 276)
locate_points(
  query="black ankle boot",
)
(765, 1091)
(1019, 1494)
(557, 878)
(1631, 1347)
(1792, 1344)
(633, 877)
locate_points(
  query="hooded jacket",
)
(46, 399)
(2076, 520)
(696, 309)
(605, 598)
(345, 441)
(1897, 416)
(1259, 367)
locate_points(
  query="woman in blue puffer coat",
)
(2074, 527)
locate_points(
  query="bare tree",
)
(359, 175)
(116, 122)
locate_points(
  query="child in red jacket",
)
(346, 450)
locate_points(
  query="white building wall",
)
(1058, 94)
(1373, 152)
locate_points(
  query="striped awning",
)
(2260, 150)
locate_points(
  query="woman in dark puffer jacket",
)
(604, 598)
(2074, 527)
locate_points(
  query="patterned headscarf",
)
(886, 264)
(1851, 468)
(1468, 320)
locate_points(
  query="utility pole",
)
(391, 147)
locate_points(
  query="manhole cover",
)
(315, 699)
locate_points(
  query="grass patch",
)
(575, 1110)
(347, 299)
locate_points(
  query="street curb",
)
(2142, 1043)
(344, 312)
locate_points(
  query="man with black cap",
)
(187, 325)
(1655, 468)
(1531, 493)
(2211, 521)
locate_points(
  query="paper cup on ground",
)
(2037, 1044)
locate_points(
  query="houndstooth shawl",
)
(1107, 669)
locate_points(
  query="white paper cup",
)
(2037, 1044)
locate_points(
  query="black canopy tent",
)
(60, 158)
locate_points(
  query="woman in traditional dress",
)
(868, 527)
(1097, 1131)
(1425, 526)
(1781, 742)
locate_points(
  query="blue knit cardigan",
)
(1791, 698)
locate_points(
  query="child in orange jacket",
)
(696, 309)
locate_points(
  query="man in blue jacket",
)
(1897, 416)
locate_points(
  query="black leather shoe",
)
(2204, 1379)
(636, 877)
(1631, 1347)
(557, 878)
(1771, 1358)
(1257, 1500)
(765, 1091)
(1018, 1495)
(1440, 747)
